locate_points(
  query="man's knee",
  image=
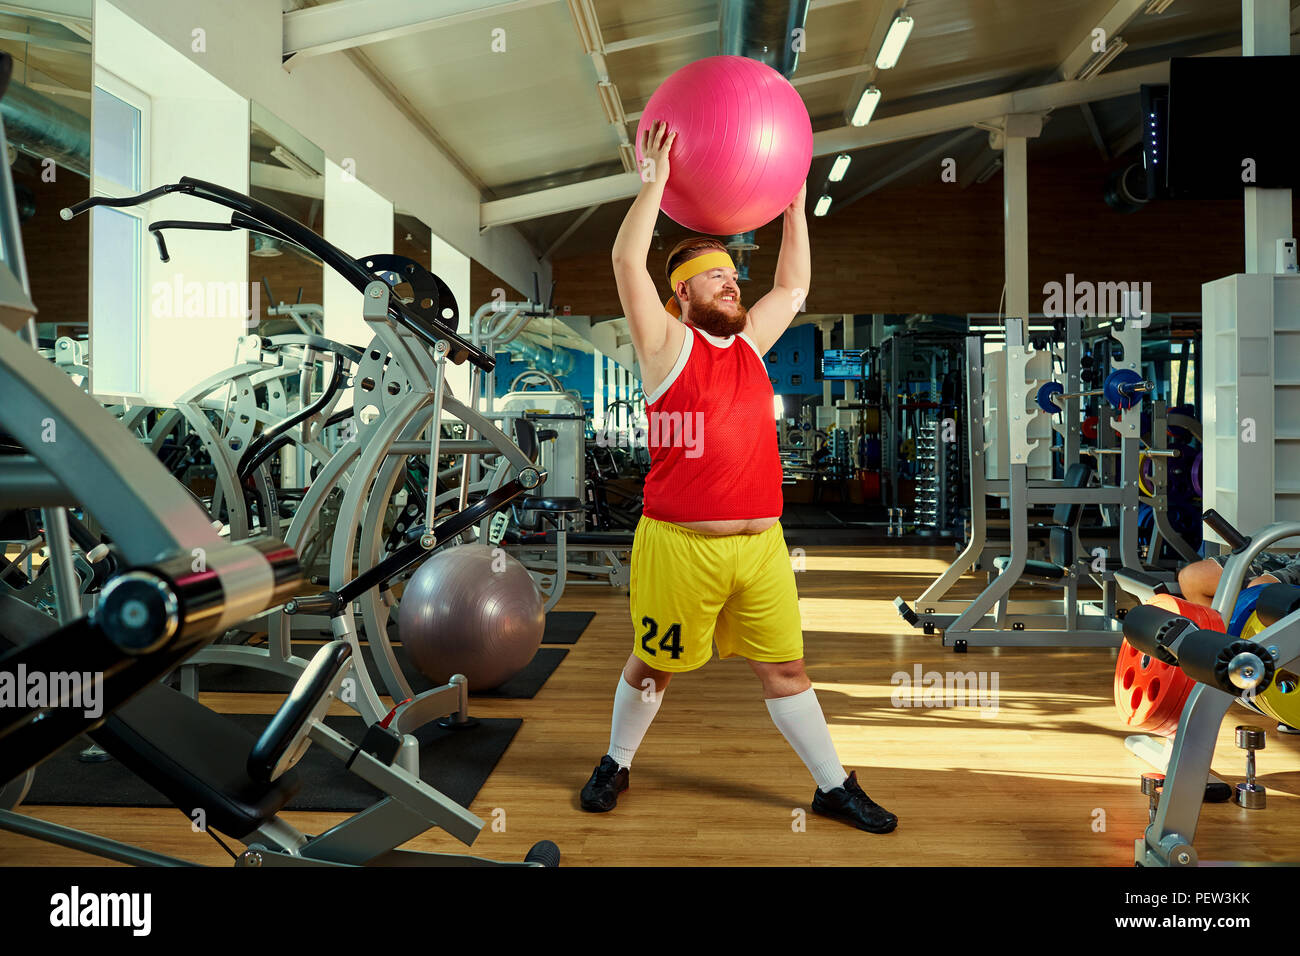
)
(1200, 578)
(637, 672)
(782, 679)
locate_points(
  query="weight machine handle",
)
(1224, 529)
(272, 222)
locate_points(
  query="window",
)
(121, 168)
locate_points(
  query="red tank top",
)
(712, 435)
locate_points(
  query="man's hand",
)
(797, 204)
(656, 142)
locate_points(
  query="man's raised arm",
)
(646, 317)
(772, 314)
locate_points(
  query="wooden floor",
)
(1044, 780)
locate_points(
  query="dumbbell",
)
(1250, 795)
(1122, 390)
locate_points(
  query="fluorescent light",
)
(866, 106)
(1100, 61)
(839, 167)
(293, 161)
(823, 204)
(1158, 6)
(894, 42)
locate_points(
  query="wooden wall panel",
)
(938, 248)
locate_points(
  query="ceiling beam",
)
(695, 29)
(1126, 142)
(922, 155)
(1090, 118)
(611, 338)
(981, 168)
(889, 129)
(665, 36)
(884, 19)
(73, 15)
(55, 10)
(548, 202)
(1112, 23)
(47, 43)
(806, 80)
(279, 179)
(569, 230)
(588, 29)
(345, 24)
(1036, 99)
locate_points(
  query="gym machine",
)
(398, 394)
(912, 431)
(992, 618)
(156, 614)
(1225, 669)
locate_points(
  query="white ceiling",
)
(529, 117)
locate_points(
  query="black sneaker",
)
(608, 780)
(850, 804)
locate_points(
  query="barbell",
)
(1122, 390)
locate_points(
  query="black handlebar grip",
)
(1220, 526)
(1205, 657)
(326, 602)
(1149, 628)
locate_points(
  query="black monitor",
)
(1230, 124)
(842, 363)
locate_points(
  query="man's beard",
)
(708, 317)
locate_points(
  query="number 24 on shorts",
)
(670, 642)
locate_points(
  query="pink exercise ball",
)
(743, 148)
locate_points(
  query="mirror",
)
(531, 348)
(286, 172)
(412, 239)
(46, 112)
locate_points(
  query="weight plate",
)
(1244, 609)
(1114, 389)
(1044, 397)
(1281, 701)
(1150, 694)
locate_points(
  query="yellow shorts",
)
(691, 590)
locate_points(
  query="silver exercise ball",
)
(471, 610)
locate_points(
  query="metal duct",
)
(763, 31)
(39, 126)
(558, 361)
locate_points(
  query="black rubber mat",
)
(226, 678)
(565, 627)
(455, 762)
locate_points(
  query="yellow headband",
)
(690, 269)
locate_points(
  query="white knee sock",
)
(801, 721)
(632, 717)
